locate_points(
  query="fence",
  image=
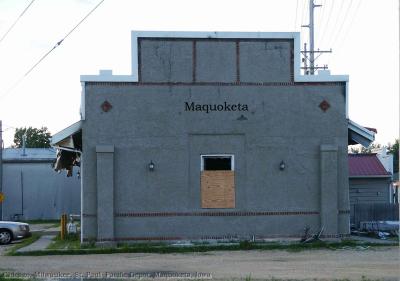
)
(373, 212)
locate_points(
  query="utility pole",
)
(305, 59)
(311, 29)
(311, 58)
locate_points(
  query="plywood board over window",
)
(217, 181)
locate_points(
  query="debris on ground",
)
(307, 237)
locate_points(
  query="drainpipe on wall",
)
(22, 194)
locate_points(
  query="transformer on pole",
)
(310, 54)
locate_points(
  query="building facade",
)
(212, 136)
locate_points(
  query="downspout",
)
(22, 194)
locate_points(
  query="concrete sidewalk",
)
(40, 244)
(47, 233)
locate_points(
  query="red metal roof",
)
(366, 165)
(372, 129)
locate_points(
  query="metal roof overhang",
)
(69, 139)
(370, 176)
(357, 134)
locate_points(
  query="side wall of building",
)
(152, 121)
(370, 190)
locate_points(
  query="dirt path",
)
(379, 262)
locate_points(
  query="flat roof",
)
(30, 155)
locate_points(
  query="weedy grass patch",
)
(71, 246)
(26, 242)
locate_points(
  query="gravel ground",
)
(377, 262)
(4, 248)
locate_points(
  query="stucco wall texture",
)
(150, 121)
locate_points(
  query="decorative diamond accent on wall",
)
(106, 106)
(324, 105)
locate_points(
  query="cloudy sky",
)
(363, 34)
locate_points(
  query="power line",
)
(327, 23)
(320, 19)
(321, 14)
(302, 12)
(52, 49)
(336, 23)
(295, 20)
(351, 23)
(334, 38)
(339, 46)
(15, 22)
(302, 17)
(59, 42)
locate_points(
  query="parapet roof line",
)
(107, 76)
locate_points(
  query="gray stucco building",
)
(213, 135)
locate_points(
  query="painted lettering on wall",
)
(207, 108)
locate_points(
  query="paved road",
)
(379, 262)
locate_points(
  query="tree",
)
(365, 150)
(35, 138)
(394, 149)
(391, 148)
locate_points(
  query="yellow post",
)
(63, 226)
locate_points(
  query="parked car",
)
(10, 231)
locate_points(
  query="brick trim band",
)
(215, 214)
(95, 83)
(89, 215)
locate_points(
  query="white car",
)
(10, 231)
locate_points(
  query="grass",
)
(7, 277)
(27, 241)
(4, 277)
(72, 246)
(71, 242)
(54, 222)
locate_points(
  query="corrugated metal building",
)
(369, 181)
(31, 188)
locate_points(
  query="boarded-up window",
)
(217, 181)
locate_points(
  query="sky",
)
(363, 36)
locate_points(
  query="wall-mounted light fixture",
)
(151, 166)
(282, 166)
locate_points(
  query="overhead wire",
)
(302, 17)
(321, 11)
(51, 50)
(324, 29)
(302, 12)
(348, 29)
(62, 40)
(336, 22)
(295, 19)
(320, 19)
(335, 36)
(15, 22)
